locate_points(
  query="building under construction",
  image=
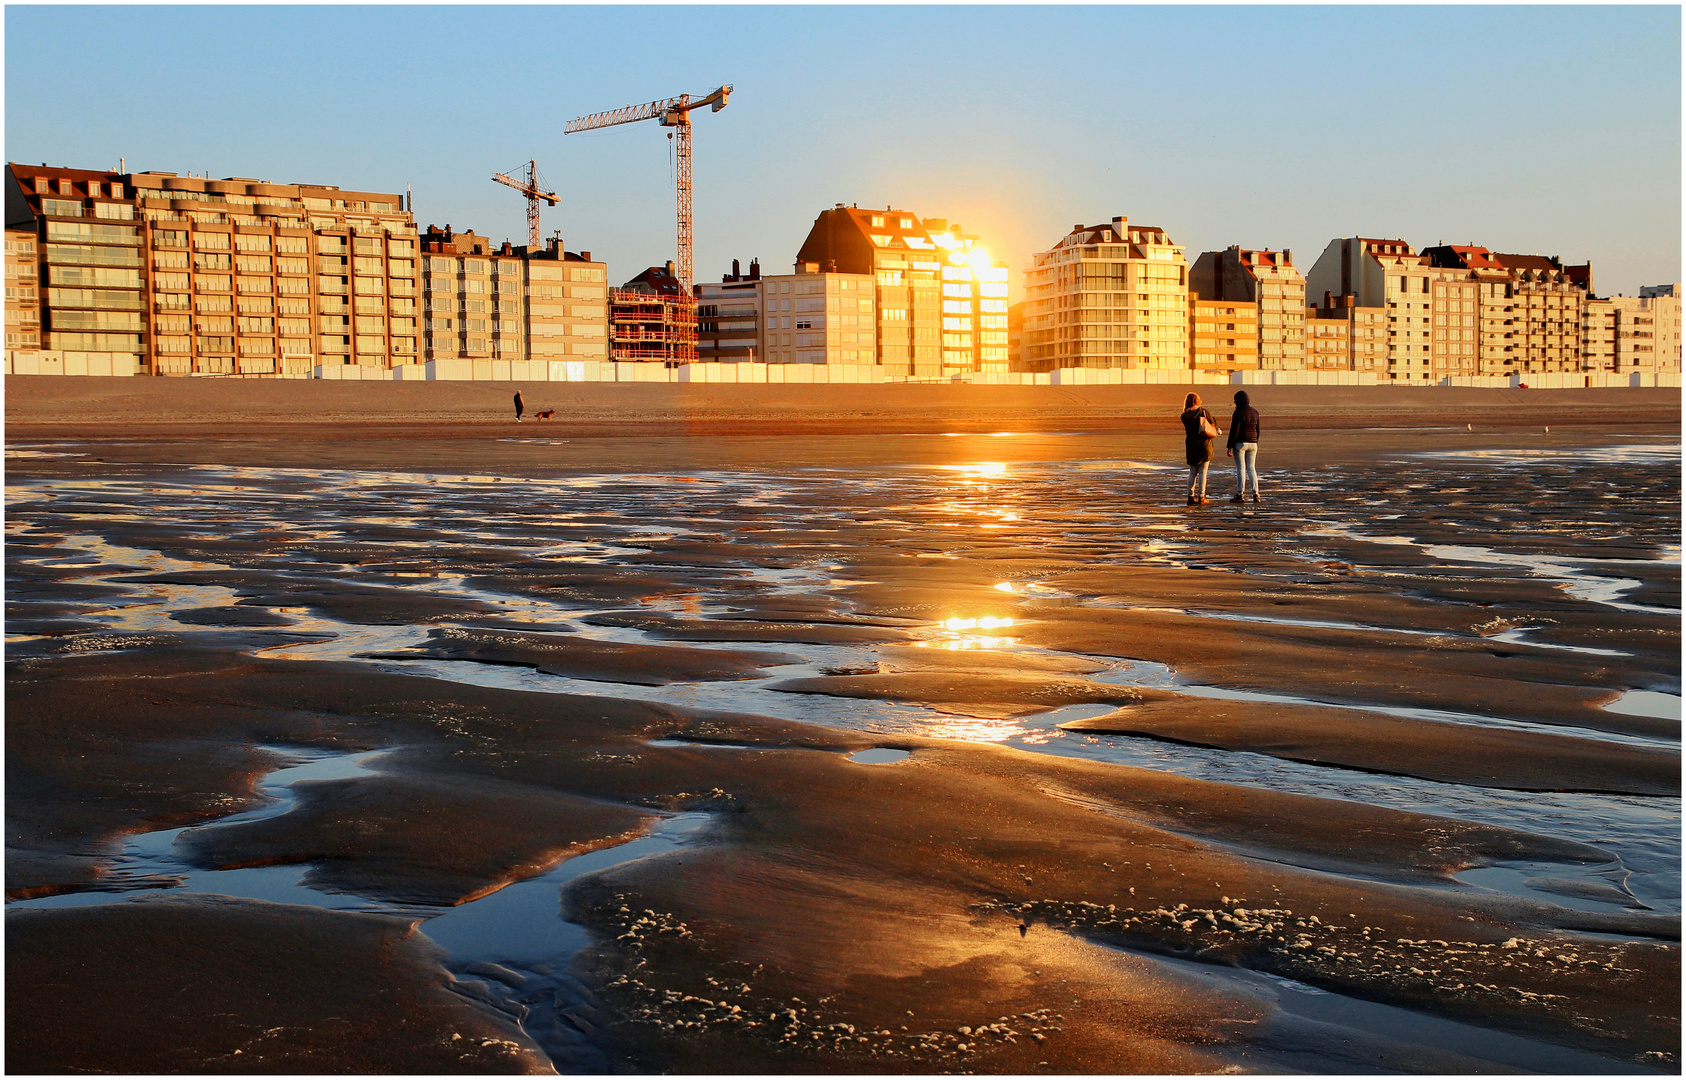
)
(653, 318)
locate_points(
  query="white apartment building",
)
(506, 303)
(1386, 274)
(1105, 296)
(808, 317)
(941, 300)
(1647, 330)
(1269, 280)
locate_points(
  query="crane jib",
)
(621, 116)
(670, 111)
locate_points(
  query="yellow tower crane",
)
(674, 113)
(530, 188)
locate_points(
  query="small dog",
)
(545, 414)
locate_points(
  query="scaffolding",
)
(649, 326)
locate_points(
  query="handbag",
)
(1207, 428)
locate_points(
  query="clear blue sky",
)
(1529, 129)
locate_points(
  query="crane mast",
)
(530, 188)
(674, 113)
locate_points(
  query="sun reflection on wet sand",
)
(971, 728)
(979, 470)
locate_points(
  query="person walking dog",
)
(1243, 446)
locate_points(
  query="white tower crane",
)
(674, 113)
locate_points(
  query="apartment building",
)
(1628, 335)
(567, 305)
(510, 303)
(809, 317)
(460, 281)
(1454, 336)
(1386, 274)
(1328, 340)
(253, 277)
(812, 317)
(1665, 303)
(1111, 295)
(1647, 334)
(729, 316)
(187, 275)
(1269, 280)
(1493, 318)
(1015, 336)
(1598, 334)
(1528, 312)
(939, 299)
(1365, 333)
(1544, 309)
(90, 260)
(23, 298)
(1223, 334)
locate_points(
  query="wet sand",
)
(1334, 783)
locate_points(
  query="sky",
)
(1530, 129)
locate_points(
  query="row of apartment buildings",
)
(185, 275)
(1116, 295)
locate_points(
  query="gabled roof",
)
(656, 279)
(845, 237)
(1120, 232)
(1266, 257)
(1477, 260)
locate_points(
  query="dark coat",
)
(1196, 446)
(1243, 426)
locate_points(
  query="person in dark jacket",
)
(1197, 447)
(518, 406)
(1244, 446)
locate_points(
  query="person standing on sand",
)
(1199, 429)
(1243, 446)
(517, 406)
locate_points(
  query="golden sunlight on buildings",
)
(1107, 296)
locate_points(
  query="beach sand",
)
(678, 604)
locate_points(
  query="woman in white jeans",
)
(1243, 446)
(1197, 446)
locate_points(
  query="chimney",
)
(1288, 256)
(755, 269)
(1078, 227)
(736, 275)
(585, 255)
(670, 270)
